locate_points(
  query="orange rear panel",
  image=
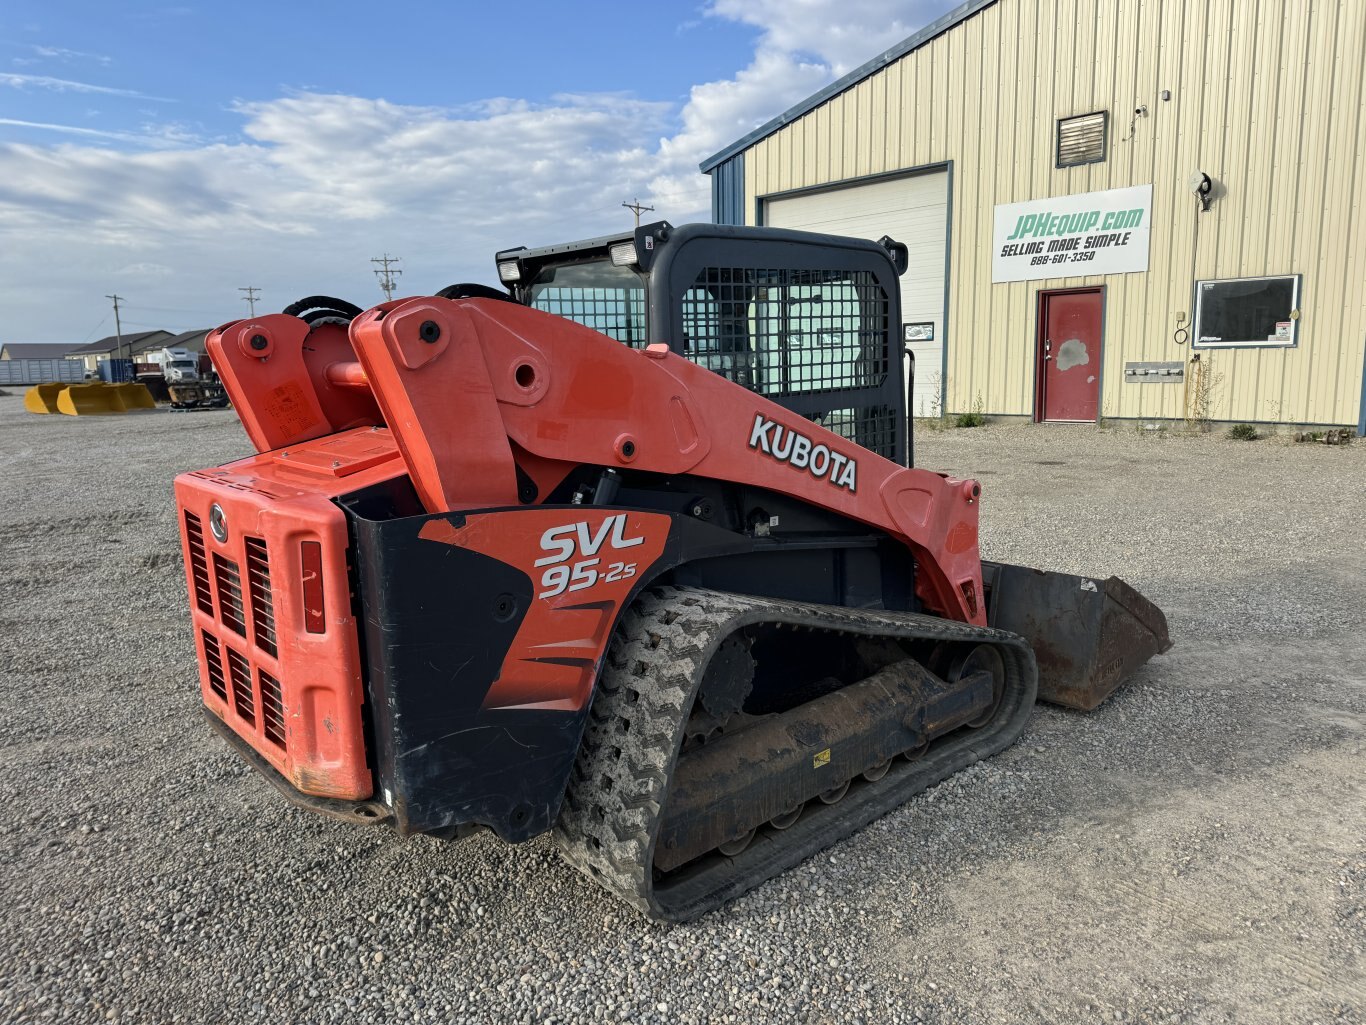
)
(265, 556)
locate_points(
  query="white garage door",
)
(913, 210)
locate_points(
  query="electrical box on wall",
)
(1155, 373)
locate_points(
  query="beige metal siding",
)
(1267, 98)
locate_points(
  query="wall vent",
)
(1081, 139)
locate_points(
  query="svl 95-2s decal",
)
(574, 564)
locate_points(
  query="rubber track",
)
(614, 804)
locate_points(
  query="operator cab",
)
(806, 320)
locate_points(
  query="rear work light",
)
(509, 272)
(315, 614)
(623, 254)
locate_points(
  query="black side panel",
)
(439, 621)
(435, 643)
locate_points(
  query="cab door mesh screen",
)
(786, 333)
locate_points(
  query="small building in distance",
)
(115, 348)
(190, 341)
(34, 350)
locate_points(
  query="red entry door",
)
(1069, 355)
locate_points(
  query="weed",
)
(934, 409)
(1243, 432)
(975, 418)
(1201, 384)
(1103, 420)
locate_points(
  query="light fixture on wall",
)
(1139, 111)
(1202, 185)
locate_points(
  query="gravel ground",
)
(1195, 851)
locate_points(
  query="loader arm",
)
(464, 383)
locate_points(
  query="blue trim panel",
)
(728, 191)
(944, 317)
(1361, 416)
(931, 31)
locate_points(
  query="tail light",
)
(315, 610)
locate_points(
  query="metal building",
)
(1115, 208)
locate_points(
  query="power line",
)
(250, 297)
(703, 191)
(637, 209)
(162, 326)
(386, 276)
(173, 309)
(103, 321)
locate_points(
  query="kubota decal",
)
(798, 451)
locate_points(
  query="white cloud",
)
(149, 139)
(842, 35)
(64, 85)
(145, 270)
(67, 56)
(315, 185)
(802, 46)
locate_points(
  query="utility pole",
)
(118, 329)
(386, 276)
(637, 209)
(250, 297)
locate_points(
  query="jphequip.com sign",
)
(1068, 236)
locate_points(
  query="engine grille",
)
(258, 587)
(228, 579)
(250, 693)
(214, 658)
(272, 709)
(243, 701)
(199, 566)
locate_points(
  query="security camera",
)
(1202, 185)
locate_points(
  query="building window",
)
(1241, 312)
(1081, 139)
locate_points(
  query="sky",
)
(173, 154)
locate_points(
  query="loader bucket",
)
(1088, 635)
(135, 396)
(42, 398)
(89, 400)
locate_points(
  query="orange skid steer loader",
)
(632, 550)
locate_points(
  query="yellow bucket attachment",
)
(89, 400)
(135, 396)
(42, 398)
